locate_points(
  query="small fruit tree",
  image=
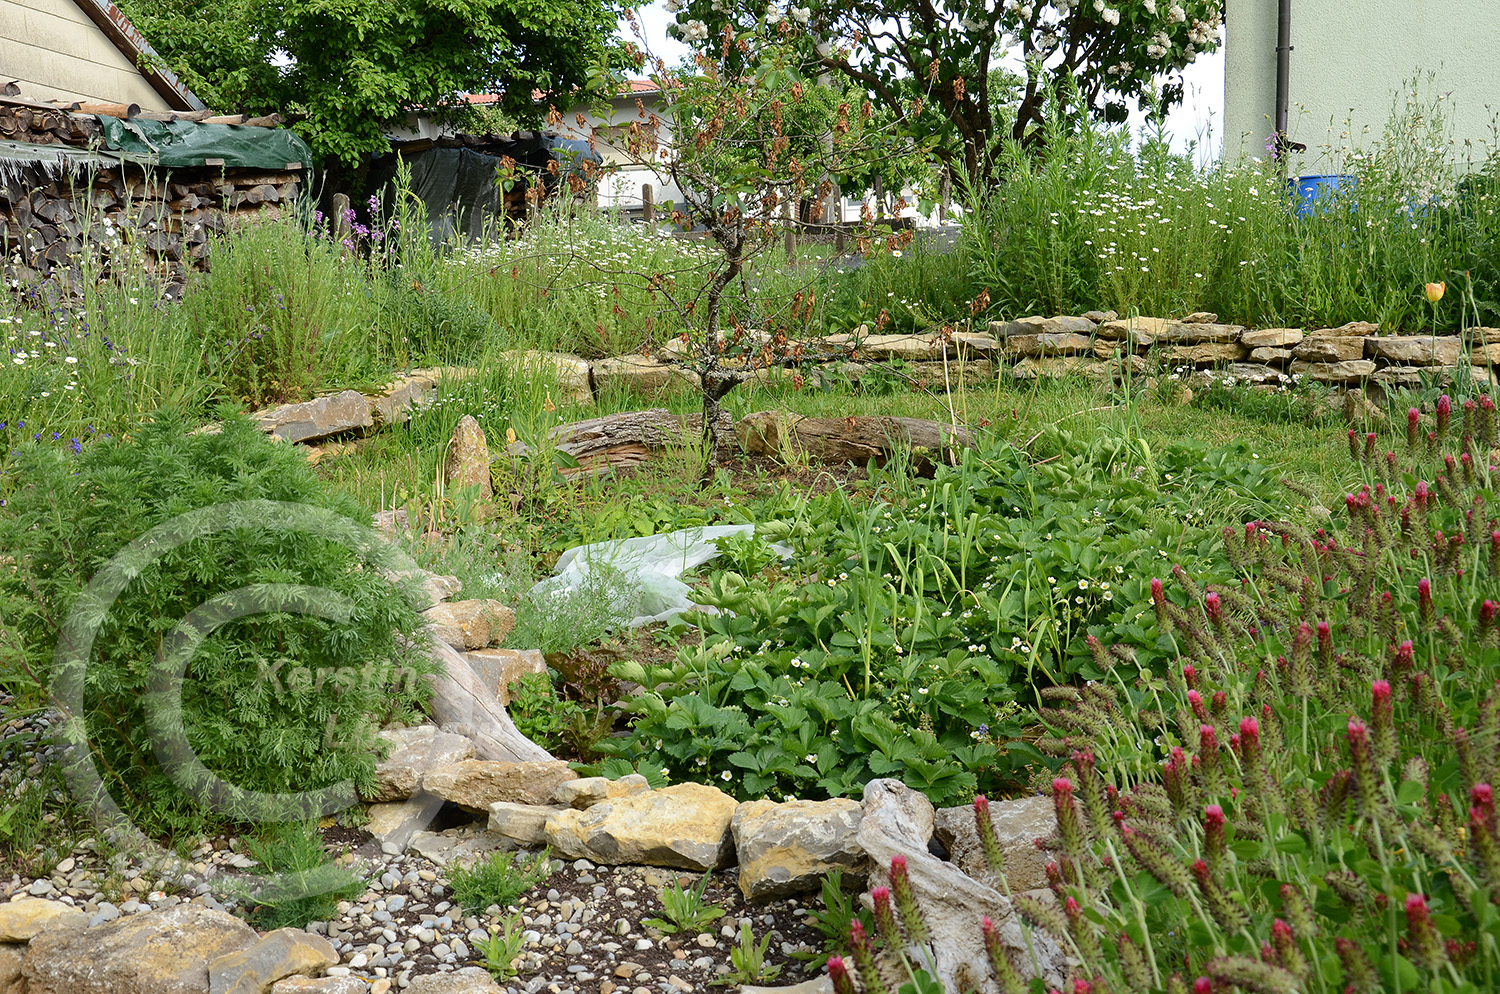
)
(729, 136)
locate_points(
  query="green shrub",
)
(499, 880)
(276, 700)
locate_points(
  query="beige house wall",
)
(54, 52)
(1350, 62)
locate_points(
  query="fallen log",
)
(853, 439)
(463, 704)
(616, 441)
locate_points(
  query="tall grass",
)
(1094, 223)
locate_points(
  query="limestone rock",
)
(12, 958)
(392, 524)
(523, 824)
(1048, 343)
(499, 668)
(21, 920)
(786, 848)
(1354, 329)
(396, 822)
(415, 751)
(166, 951)
(282, 953)
(1274, 338)
(1201, 317)
(1484, 336)
(469, 980)
(1417, 376)
(394, 404)
(321, 985)
(1251, 372)
(1267, 353)
(475, 784)
(1351, 371)
(1057, 367)
(1204, 353)
(1330, 348)
(1416, 350)
(464, 846)
(1184, 333)
(472, 624)
(427, 590)
(685, 825)
(937, 375)
(640, 375)
(913, 348)
(897, 820)
(1037, 325)
(1018, 824)
(314, 419)
(1099, 317)
(467, 462)
(1140, 332)
(973, 344)
(588, 791)
(570, 373)
(1486, 355)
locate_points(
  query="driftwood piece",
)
(461, 703)
(854, 439)
(603, 445)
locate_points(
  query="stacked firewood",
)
(59, 213)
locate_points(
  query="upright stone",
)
(467, 464)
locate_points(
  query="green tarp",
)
(186, 143)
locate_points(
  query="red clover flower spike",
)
(863, 953)
(1382, 717)
(1214, 843)
(1069, 823)
(1413, 428)
(906, 901)
(1424, 600)
(1203, 986)
(1444, 412)
(1424, 939)
(1364, 765)
(885, 918)
(1000, 963)
(839, 974)
(988, 840)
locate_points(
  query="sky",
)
(1200, 115)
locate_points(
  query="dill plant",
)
(281, 702)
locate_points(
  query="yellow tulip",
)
(1435, 292)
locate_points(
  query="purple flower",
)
(77, 446)
(1273, 146)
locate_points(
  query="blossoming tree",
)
(929, 62)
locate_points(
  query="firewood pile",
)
(83, 202)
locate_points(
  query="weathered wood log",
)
(461, 703)
(853, 439)
(616, 441)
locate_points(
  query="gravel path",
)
(583, 926)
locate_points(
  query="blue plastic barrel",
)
(1309, 191)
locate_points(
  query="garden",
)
(1241, 637)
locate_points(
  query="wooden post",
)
(879, 198)
(340, 217)
(791, 234)
(648, 206)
